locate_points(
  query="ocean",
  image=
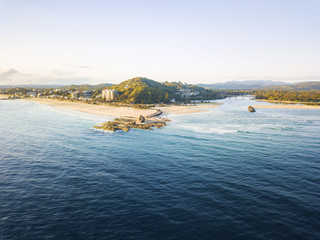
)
(221, 174)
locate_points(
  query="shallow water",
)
(222, 174)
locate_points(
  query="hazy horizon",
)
(200, 83)
(82, 42)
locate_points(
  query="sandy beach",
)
(288, 106)
(3, 96)
(106, 110)
(110, 111)
(101, 109)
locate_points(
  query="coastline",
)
(288, 106)
(95, 109)
(110, 111)
(3, 96)
(285, 104)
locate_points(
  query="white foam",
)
(200, 129)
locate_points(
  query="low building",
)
(109, 94)
(32, 94)
(74, 95)
(185, 93)
(87, 94)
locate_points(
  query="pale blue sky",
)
(197, 41)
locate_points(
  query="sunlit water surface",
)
(221, 174)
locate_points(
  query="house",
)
(74, 95)
(185, 93)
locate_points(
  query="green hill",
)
(143, 90)
(147, 91)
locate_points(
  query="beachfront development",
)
(142, 96)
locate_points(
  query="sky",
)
(192, 41)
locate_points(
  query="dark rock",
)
(251, 109)
(140, 119)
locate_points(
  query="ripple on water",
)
(223, 174)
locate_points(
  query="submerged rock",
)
(251, 109)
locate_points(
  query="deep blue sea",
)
(221, 174)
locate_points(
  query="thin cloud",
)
(55, 76)
(5, 75)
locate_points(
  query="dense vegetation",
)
(299, 86)
(288, 95)
(143, 90)
(147, 91)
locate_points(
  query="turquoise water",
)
(221, 174)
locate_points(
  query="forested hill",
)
(299, 86)
(144, 90)
(308, 92)
(312, 96)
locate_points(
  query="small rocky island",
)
(127, 122)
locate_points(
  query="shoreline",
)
(111, 111)
(287, 106)
(3, 97)
(288, 102)
(95, 109)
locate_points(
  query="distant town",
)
(133, 91)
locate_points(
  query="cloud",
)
(5, 75)
(55, 76)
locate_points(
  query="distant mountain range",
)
(263, 84)
(243, 85)
(88, 87)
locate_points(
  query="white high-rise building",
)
(109, 94)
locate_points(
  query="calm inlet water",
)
(222, 174)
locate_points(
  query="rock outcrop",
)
(127, 122)
(140, 119)
(251, 109)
